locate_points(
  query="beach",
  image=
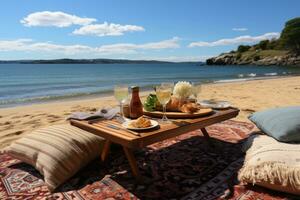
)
(248, 96)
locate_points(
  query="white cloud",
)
(239, 29)
(29, 45)
(11, 45)
(236, 40)
(165, 44)
(132, 48)
(106, 29)
(58, 19)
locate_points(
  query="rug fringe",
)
(271, 172)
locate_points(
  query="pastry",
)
(189, 108)
(141, 122)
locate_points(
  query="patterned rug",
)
(186, 167)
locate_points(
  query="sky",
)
(170, 30)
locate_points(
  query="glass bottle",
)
(136, 106)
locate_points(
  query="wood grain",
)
(147, 137)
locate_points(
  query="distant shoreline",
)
(92, 61)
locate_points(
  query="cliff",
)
(264, 57)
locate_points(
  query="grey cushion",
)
(283, 124)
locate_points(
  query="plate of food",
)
(140, 124)
(215, 104)
(175, 108)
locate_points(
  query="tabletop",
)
(112, 130)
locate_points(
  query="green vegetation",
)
(243, 48)
(289, 42)
(284, 50)
(256, 55)
(290, 36)
(263, 45)
(272, 53)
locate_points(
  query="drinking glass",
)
(196, 90)
(121, 94)
(163, 94)
(168, 84)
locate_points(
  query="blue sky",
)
(189, 30)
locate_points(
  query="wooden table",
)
(129, 141)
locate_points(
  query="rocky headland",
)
(236, 59)
(284, 50)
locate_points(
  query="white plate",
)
(215, 104)
(153, 125)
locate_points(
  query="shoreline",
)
(248, 96)
(145, 90)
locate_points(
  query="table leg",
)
(132, 162)
(206, 135)
(105, 150)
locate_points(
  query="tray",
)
(180, 115)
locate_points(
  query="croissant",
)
(175, 104)
(178, 105)
(189, 108)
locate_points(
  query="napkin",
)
(107, 113)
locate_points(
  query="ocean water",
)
(34, 83)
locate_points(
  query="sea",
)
(22, 84)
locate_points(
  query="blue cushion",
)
(283, 124)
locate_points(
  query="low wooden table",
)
(130, 141)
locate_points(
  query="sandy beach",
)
(249, 96)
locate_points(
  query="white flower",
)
(182, 89)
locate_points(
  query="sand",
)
(248, 96)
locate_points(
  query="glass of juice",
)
(163, 94)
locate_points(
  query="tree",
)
(273, 44)
(290, 35)
(243, 48)
(263, 44)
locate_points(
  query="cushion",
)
(271, 164)
(57, 152)
(283, 124)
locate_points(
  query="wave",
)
(251, 75)
(234, 80)
(50, 97)
(55, 97)
(246, 75)
(271, 74)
